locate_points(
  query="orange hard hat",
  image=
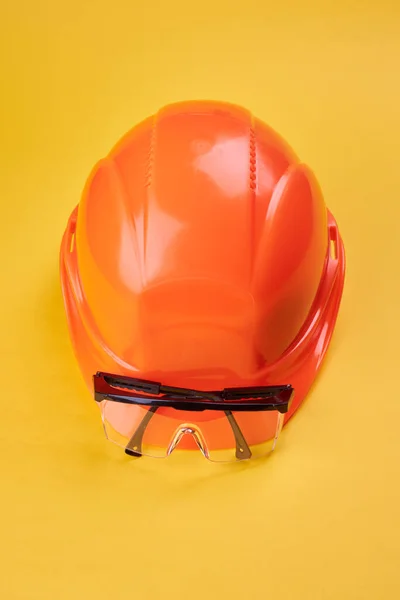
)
(201, 255)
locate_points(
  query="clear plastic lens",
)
(133, 427)
(260, 431)
(221, 436)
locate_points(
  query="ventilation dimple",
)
(252, 189)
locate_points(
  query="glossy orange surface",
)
(202, 254)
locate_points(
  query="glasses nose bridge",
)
(188, 429)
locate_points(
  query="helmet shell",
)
(201, 255)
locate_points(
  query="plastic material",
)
(145, 398)
(202, 255)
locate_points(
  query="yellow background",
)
(320, 519)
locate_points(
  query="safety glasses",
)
(151, 419)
